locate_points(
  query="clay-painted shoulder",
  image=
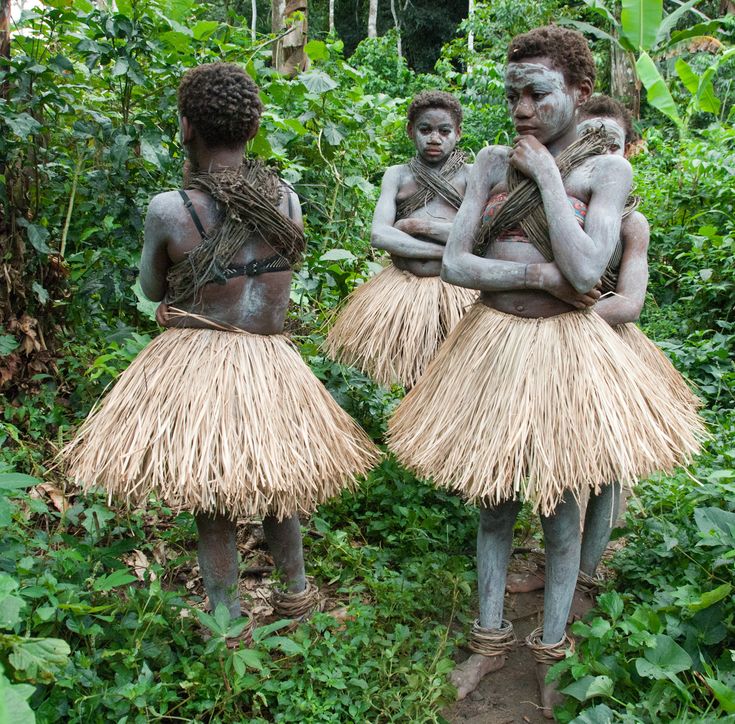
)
(611, 166)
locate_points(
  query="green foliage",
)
(659, 647)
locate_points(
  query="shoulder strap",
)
(193, 213)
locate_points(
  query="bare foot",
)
(524, 582)
(550, 696)
(466, 677)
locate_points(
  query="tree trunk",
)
(331, 17)
(624, 83)
(4, 30)
(398, 27)
(373, 19)
(288, 53)
(253, 18)
(471, 34)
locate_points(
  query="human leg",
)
(217, 554)
(562, 542)
(494, 543)
(286, 547)
(602, 512)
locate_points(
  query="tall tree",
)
(397, 25)
(331, 16)
(290, 22)
(471, 34)
(373, 19)
(253, 18)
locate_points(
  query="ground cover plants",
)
(97, 623)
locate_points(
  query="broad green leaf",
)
(316, 50)
(37, 235)
(716, 526)
(710, 597)
(288, 646)
(696, 31)
(144, 305)
(337, 255)
(601, 10)
(668, 655)
(8, 344)
(688, 77)
(39, 659)
(590, 686)
(669, 22)
(17, 481)
(14, 707)
(600, 714)
(22, 124)
(724, 694)
(248, 658)
(640, 21)
(121, 67)
(592, 30)
(178, 9)
(706, 98)
(611, 603)
(176, 40)
(333, 135)
(40, 292)
(658, 94)
(204, 28)
(115, 579)
(317, 81)
(10, 608)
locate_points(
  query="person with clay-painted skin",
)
(219, 415)
(392, 326)
(620, 309)
(533, 396)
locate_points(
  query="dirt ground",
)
(510, 696)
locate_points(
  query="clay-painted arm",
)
(465, 269)
(386, 236)
(154, 259)
(580, 254)
(626, 304)
(437, 231)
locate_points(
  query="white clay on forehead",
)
(526, 73)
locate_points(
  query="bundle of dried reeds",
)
(248, 200)
(393, 325)
(226, 422)
(532, 408)
(660, 368)
(432, 183)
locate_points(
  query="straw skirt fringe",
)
(535, 408)
(658, 364)
(226, 422)
(392, 326)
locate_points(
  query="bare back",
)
(256, 304)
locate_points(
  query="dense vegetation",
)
(95, 622)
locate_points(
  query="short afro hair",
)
(567, 49)
(602, 106)
(222, 103)
(435, 99)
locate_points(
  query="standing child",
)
(219, 415)
(393, 325)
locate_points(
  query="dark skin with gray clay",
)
(514, 278)
(619, 308)
(254, 304)
(416, 244)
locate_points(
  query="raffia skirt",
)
(393, 325)
(226, 422)
(659, 365)
(533, 409)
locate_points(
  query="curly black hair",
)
(602, 106)
(222, 103)
(567, 49)
(435, 99)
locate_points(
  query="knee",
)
(498, 520)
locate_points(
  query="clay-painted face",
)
(540, 101)
(611, 126)
(434, 134)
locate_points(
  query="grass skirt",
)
(226, 422)
(535, 408)
(393, 325)
(658, 364)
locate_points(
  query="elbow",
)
(584, 283)
(154, 292)
(377, 239)
(451, 271)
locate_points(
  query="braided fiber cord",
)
(548, 653)
(492, 642)
(248, 197)
(432, 184)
